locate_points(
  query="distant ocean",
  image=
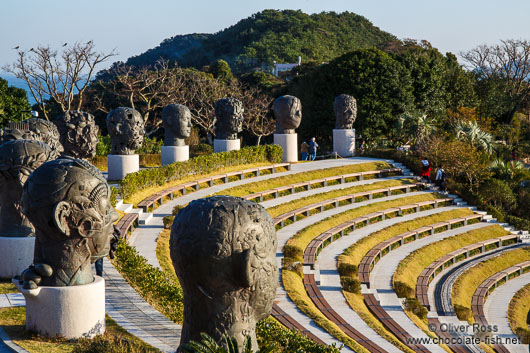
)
(13, 81)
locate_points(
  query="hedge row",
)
(145, 178)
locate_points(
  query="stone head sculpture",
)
(229, 118)
(18, 159)
(288, 114)
(177, 124)
(68, 202)
(223, 250)
(79, 133)
(345, 107)
(33, 129)
(126, 130)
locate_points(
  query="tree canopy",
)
(12, 102)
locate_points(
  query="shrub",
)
(414, 306)
(462, 312)
(103, 147)
(498, 194)
(150, 160)
(518, 223)
(403, 290)
(346, 269)
(113, 195)
(199, 165)
(168, 221)
(523, 334)
(150, 146)
(293, 252)
(203, 148)
(350, 284)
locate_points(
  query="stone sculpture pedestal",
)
(121, 165)
(70, 312)
(289, 143)
(16, 254)
(344, 142)
(226, 145)
(172, 154)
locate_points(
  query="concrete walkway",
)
(12, 299)
(383, 271)
(496, 309)
(330, 279)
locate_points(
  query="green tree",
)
(221, 70)
(470, 132)
(12, 102)
(380, 83)
(416, 128)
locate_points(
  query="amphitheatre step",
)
(145, 218)
(496, 308)
(125, 207)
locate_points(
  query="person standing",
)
(440, 178)
(425, 169)
(313, 145)
(304, 150)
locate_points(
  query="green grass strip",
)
(518, 311)
(308, 200)
(302, 239)
(272, 183)
(411, 267)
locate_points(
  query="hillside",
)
(269, 36)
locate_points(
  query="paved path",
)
(381, 280)
(330, 279)
(12, 299)
(496, 308)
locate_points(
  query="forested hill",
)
(269, 36)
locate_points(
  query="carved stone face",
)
(126, 130)
(33, 129)
(229, 115)
(79, 133)
(288, 114)
(18, 159)
(345, 107)
(177, 124)
(223, 250)
(68, 202)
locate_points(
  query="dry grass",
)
(302, 239)
(294, 286)
(140, 195)
(519, 308)
(272, 183)
(356, 302)
(13, 320)
(355, 253)
(411, 267)
(468, 282)
(304, 201)
(422, 324)
(163, 256)
(7, 287)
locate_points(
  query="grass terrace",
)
(468, 282)
(302, 239)
(252, 188)
(308, 200)
(518, 312)
(411, 267)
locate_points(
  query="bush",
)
(414, 306)
(160, 291)
(518, 223)
(403, 290)
(268, 331)
(523, 334)
(113, 195)
(293, 252)
(103, 147)
(350, 284)
(145, 178)
(462, 312)
(498, 194)
(346, 269)
(150, 160)
(150, 146)
(203, 148)
(168, 221)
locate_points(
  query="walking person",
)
(313, 145)
(304, 150)
(440, 178)
(362, 147)
(425, 169)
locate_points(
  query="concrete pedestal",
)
(289, 143)
(121, 165)
(226, 145)
(69, 312)
(16, 254)
(172, 154)
(344, 142)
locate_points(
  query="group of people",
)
(309, 150)
(440, 177)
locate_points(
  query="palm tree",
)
(416, 127)
(470, 132)
(208, 345)
(512, 172)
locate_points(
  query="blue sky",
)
(133, 26)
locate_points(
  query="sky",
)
(133, 26)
